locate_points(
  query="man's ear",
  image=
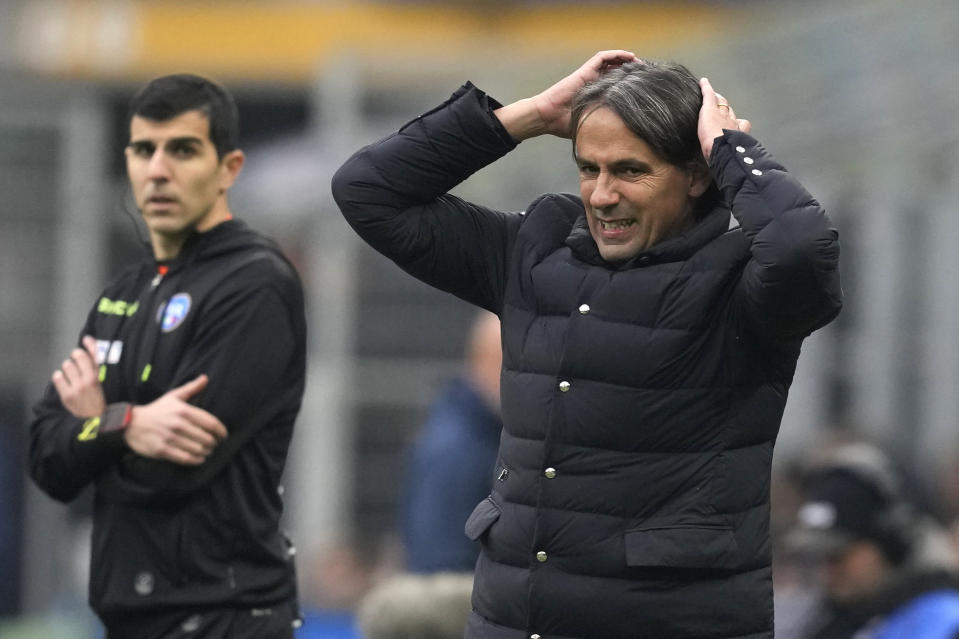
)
(699, 179)
(230, 167)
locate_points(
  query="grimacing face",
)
(179, 184)
(633, 197)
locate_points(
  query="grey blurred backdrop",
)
(858, 98)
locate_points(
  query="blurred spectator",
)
(885, 571)
(337, 577)
(417, 607)
(452, 460)
(333, 581)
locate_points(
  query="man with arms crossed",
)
(179, 405)
(651, 328)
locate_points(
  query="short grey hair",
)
(658, 101)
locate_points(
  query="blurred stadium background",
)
(858, 98)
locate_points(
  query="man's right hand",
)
(171, 429)
(548, 112)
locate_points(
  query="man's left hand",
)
(715, 115)
(77, 381)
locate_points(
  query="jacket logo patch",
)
(175, 311)
(117, 307)
(89, 430)
(109, 352)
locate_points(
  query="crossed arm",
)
(168, 428)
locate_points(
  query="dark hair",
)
(658, 101)
(863, 483)
(166, 97)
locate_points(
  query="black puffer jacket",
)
(640, 401)
(169, 536)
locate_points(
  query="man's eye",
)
(585, 169)
(183, 150)
(632, 171)
(142, 150)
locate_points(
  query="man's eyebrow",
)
(630, 162)
(186, 139)
(617, 164)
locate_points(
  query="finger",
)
(604, 61)
(722, 105)
(616, 55)
(615, 58)
(60, 383)
(204, 421)
(182, 457)
(191, 388)
(744, 125)
(709, 95)
(192, 445)
(70, 373)
(85, 365)
(172, 447)
(207, 421)
(197, 433)
(91, 345)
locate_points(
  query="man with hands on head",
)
(178, 405)
(651, 327)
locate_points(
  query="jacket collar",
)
(219, 238)
(675, 249)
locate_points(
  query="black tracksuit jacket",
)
(167, 536)
(640, 400)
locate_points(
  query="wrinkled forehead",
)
(604, 136)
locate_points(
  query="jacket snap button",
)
(741, 149)
(541, 556)
(143, 583)
(550, 473)
(534, 636)
(748, 160)
(584, 309)
(564, 386)
(757, 172)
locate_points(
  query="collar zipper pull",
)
(161, 271)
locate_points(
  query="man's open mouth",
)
(616, 225)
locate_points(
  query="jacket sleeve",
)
(252, 346)
(790, 286)
(66, 453)
(394, 193)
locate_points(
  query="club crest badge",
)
(175, 311)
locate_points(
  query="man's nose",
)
(158, 168)
(604, 192)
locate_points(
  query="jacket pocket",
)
(483, 516)
(682, 546)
